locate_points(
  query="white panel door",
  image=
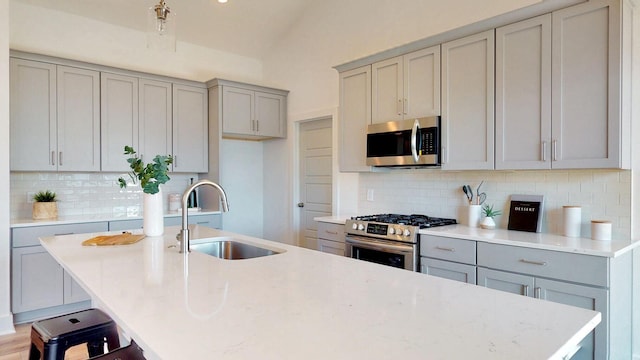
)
(154, 119)
(190, 129)
(387, 90)
(468, 103)
(586, 86)
(523, 94)
(119, 119)
(505, 281)
(33, 116)
(73, 292)
(315, 194)
(422, 83)
(355, 116)
(78, 119)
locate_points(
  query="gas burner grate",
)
(421, 221)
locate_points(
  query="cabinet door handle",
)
(445, 248)
(257, 125)
(399, 107)
(525, 290)
(60, 158)
(53, 158)
(554, 153)
(175, 161)
(69, 233)
(443, 155)
(406, 106)
(544, 151)
(532, 262)
(331, 232)
(536, 293)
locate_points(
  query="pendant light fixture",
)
(161, 32)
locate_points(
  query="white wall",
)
(6, 318)
(50, 32)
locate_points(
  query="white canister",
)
(600, 230)
(572, 216)
(174, 202)
(473, 216)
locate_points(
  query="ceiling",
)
(243, 27)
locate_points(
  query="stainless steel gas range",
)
(388, 239)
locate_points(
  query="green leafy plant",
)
(488, 211)
(151, 175)
(44, 196)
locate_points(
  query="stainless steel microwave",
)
(407, 143)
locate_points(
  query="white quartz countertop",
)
(305, 304)
(77, 219)
(543, 241)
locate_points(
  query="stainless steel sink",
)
(230, 249)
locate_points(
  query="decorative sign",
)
(525, 212)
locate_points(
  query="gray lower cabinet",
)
(331, 238)
(449, 258)
(39, 286)
(592, 282)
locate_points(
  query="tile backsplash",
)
(86, 193)
(602, 194)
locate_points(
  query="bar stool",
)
(51, 338)
(129, 352)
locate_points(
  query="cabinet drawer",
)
(329, 231)
(28, 236)
(579, 268)
(458, 250)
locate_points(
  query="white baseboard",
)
(6, 324)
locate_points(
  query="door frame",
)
(295, 166)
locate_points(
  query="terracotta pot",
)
(45, 210)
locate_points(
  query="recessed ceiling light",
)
(222, 1)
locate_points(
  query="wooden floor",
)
(16, 346)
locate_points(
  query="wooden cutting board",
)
(125, 238)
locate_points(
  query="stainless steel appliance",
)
(406, 143)
(388, 239)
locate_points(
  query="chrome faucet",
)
(183, 236)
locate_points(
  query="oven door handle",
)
(414, 140)
(376, 245)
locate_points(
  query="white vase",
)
(488, 223)
(152, 214)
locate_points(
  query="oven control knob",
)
(392, 231)
(354, 226)
(406, 232)
(360, 227)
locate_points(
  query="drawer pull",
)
(63, 234)
(445, 249)
(541, 263)
(525, 290)
(331, 232)
(536, 293)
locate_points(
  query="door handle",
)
(300, 204)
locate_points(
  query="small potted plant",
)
(45, 206)
(489, 214)
(150, 176)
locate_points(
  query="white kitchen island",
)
(304, 304)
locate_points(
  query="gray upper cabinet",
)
(406, 86)
(523, 94)
(587, 127)
(154, 118)
(190, 129)
(249, 111)
(55, 120)
(468, 103)
(355, 116)
(119, 119)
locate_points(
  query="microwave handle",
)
(414, 140)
